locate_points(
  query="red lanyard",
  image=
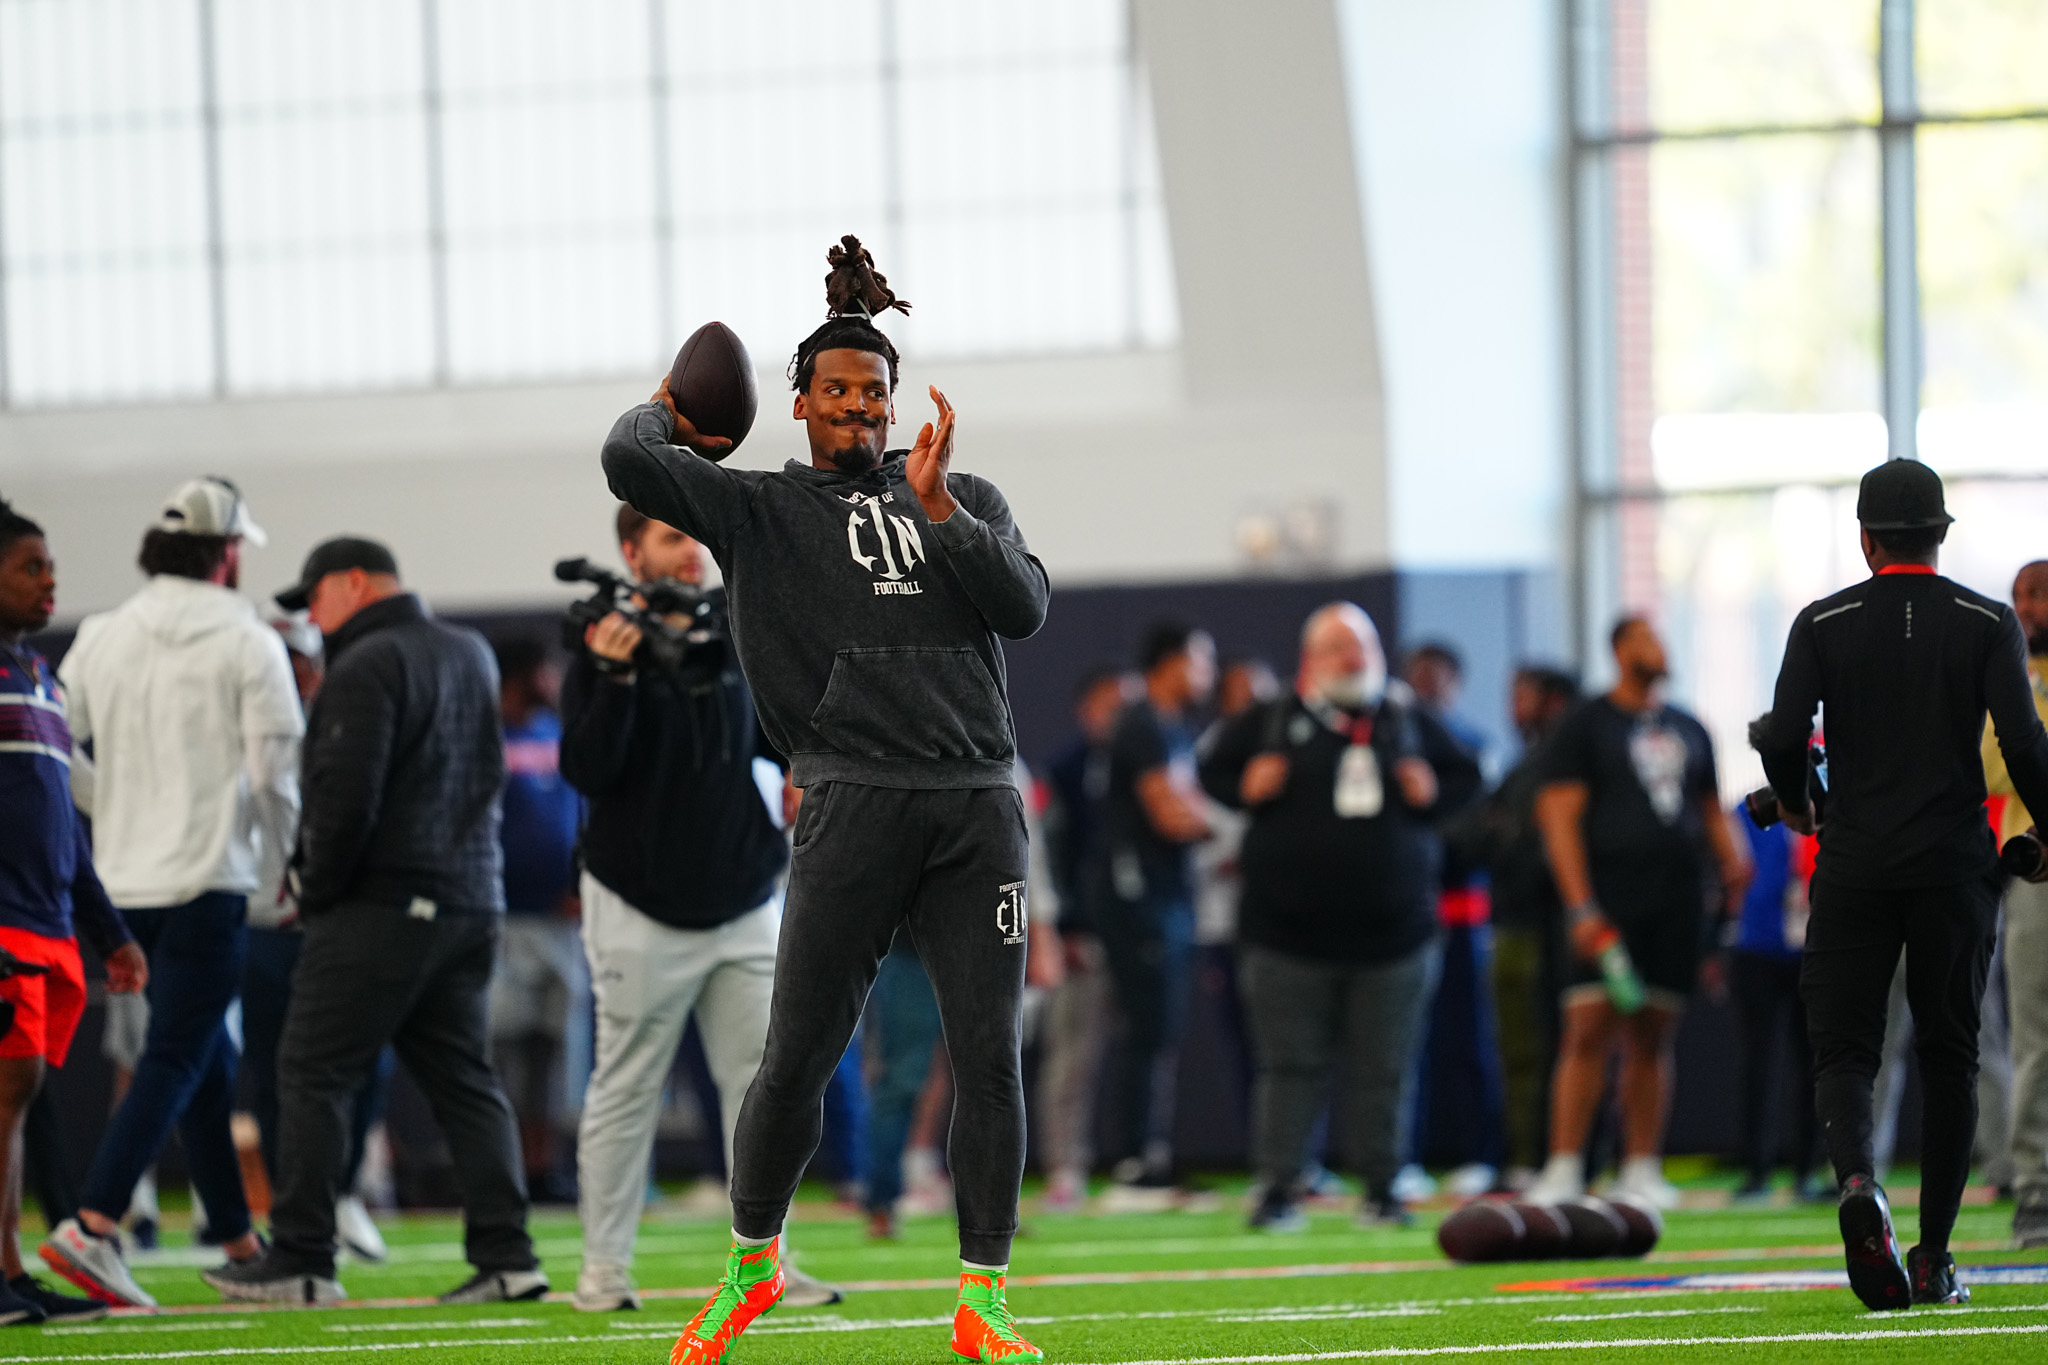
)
(1361, 730)
(1905, 568)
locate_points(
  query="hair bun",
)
(853, 287)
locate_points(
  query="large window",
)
(219, 197)
(1808, 237)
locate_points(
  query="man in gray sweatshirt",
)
(867, 590)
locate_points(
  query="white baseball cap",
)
(211, 506)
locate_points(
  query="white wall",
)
(1416, 388)
(1457, 109)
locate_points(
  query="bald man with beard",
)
(1337, 922)
(2026, 942)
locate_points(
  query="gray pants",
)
(1308, 1016)
(2026, 975)
(1077, 1022)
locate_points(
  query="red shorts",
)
(46, 1008)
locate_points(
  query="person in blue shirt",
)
(540, 993)
(1763, 977)
(47, 885)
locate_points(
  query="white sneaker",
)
(1471, 1180)
(607, 1289)
(1642, 1180)
(1412, 1185)
(94, 1264)
(498, 1286)
(357, 1230)
(1563, 1180)
(806, 1291)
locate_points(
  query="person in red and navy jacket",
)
(47, 884)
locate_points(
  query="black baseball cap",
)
(1901, 495)
(336, 556)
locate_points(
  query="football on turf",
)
(712, 385)
(1645, 1226)
(1484, 1230)
(1597, 1229)
(1546, 1233)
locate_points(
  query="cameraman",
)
(681, 903)
(1906, 664)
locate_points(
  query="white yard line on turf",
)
(1623, 1344)
(453, 1324)
(1380, 1353)
(1640, 1313)
(103, 1328)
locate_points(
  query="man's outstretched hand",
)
(685, 434)
(929, 460)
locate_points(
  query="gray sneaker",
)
(498, 1286)
(806, 1291)
(94, 1264)
(2030, 1219)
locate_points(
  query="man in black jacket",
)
(399, 879)
(681, 908)
(1337, 930)
(869, 589)
(1906, 664)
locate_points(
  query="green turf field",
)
(1201, 1295)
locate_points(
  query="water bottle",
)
(1624, 987)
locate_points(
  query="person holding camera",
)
(681, 904)
(1906, 664)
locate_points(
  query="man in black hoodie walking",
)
(867, 591)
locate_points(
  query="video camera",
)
(1762, 803)
(693, 653)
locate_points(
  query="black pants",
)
(266, 999)
(1774, 1034)
(1852, 949)
(368, 976)
(949, 865)
(1150, 949)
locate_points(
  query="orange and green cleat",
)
(982, 1326)
(752, 1286)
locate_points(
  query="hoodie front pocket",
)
(913, 702)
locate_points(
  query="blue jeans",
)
(844, 1145)
(903, 1010)
(186, 1076)
(1151, 951)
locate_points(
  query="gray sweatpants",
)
(1309, 1017)
(951, 866)
(2026, 975)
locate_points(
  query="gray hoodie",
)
(867, 633)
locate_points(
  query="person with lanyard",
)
(1337, 925)
(1904, 665)
(2026, 942)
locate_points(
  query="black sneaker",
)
(56, 1307)
(1933, 1274)
(261, 1279)
(1876, 1271)
(1278, 1212)
(498, 1286)
(18, 1311)
(1382, 1209)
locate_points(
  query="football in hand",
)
(712, 385)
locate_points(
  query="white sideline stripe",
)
(1640, 1313)
(453, 1324)
(231, 1325)
(1380, 1353)
(1622, 1344)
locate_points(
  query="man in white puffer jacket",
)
(184, 701)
